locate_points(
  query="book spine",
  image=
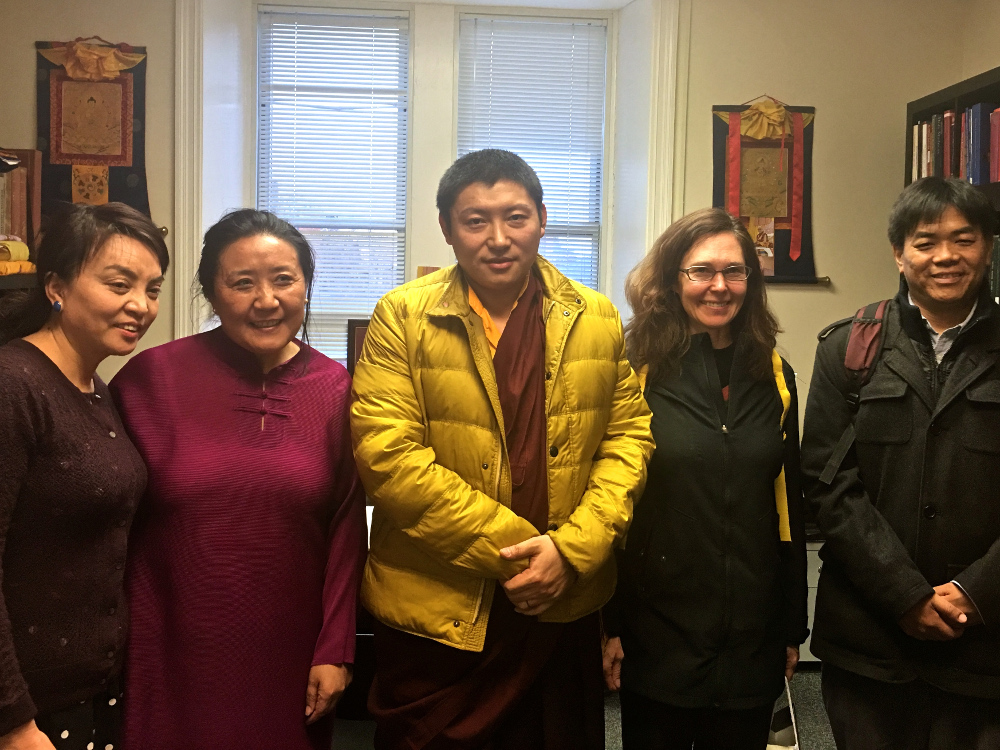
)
(994, 141)
(949, 118)
(915, 154)
(995, 270)
(938, 125)
(925, 167)
(19, 203)
(973, 145)
(968, 148)
(963, 171)
(980, 144)
(956, 143)
(5, 203)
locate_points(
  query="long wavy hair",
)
(659, 334)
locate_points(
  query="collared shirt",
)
(941, 342)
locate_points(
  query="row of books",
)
(962, 144)
(20, 193)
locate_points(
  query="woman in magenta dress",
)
(247, 549)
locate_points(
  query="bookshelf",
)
(17, 281)
(20, 211)
(984, 87)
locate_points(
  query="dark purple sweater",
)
(70, 480)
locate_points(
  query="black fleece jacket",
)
(708, 595)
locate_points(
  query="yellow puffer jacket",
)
(429, 442)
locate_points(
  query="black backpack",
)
(864, 347)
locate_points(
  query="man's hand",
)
(956, 596)
(327, 682)
(26, 737)
(791, 661)
(934, 618)
(613, 656)
(546, 579)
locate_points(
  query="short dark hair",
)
(923, 202)
(71, 236)
(250, 222)
(488, 166)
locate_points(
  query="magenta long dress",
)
(246, 554)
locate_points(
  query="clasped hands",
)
(546, 578)
(942, 616)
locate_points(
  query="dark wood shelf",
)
(984, 87)
(18, 281)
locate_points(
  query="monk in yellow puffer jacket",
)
(494, 522)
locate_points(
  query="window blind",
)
(537, 87)
(332, 138)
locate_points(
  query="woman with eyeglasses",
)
(711, 603)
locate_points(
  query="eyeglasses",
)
(706, 274)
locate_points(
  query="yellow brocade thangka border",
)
(766, 119)
(91, 62)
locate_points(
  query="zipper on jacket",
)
(719, 688)
(727, 535)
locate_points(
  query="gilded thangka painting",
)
(91, 112)
(762, 173)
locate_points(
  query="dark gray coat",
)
(915, 503)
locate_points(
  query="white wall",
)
(433, 129)
(148, 23)
(633, 108)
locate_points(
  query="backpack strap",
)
(864, 347)
(780, 488)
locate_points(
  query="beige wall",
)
(858, 62)
(148, 23)
(980, 51)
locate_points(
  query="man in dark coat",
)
(908, 608)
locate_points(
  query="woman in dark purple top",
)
(248, 547)
(70, 479)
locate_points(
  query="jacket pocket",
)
(884, 414)
(981, 428)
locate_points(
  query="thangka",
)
(91, 123)
(762, 173)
